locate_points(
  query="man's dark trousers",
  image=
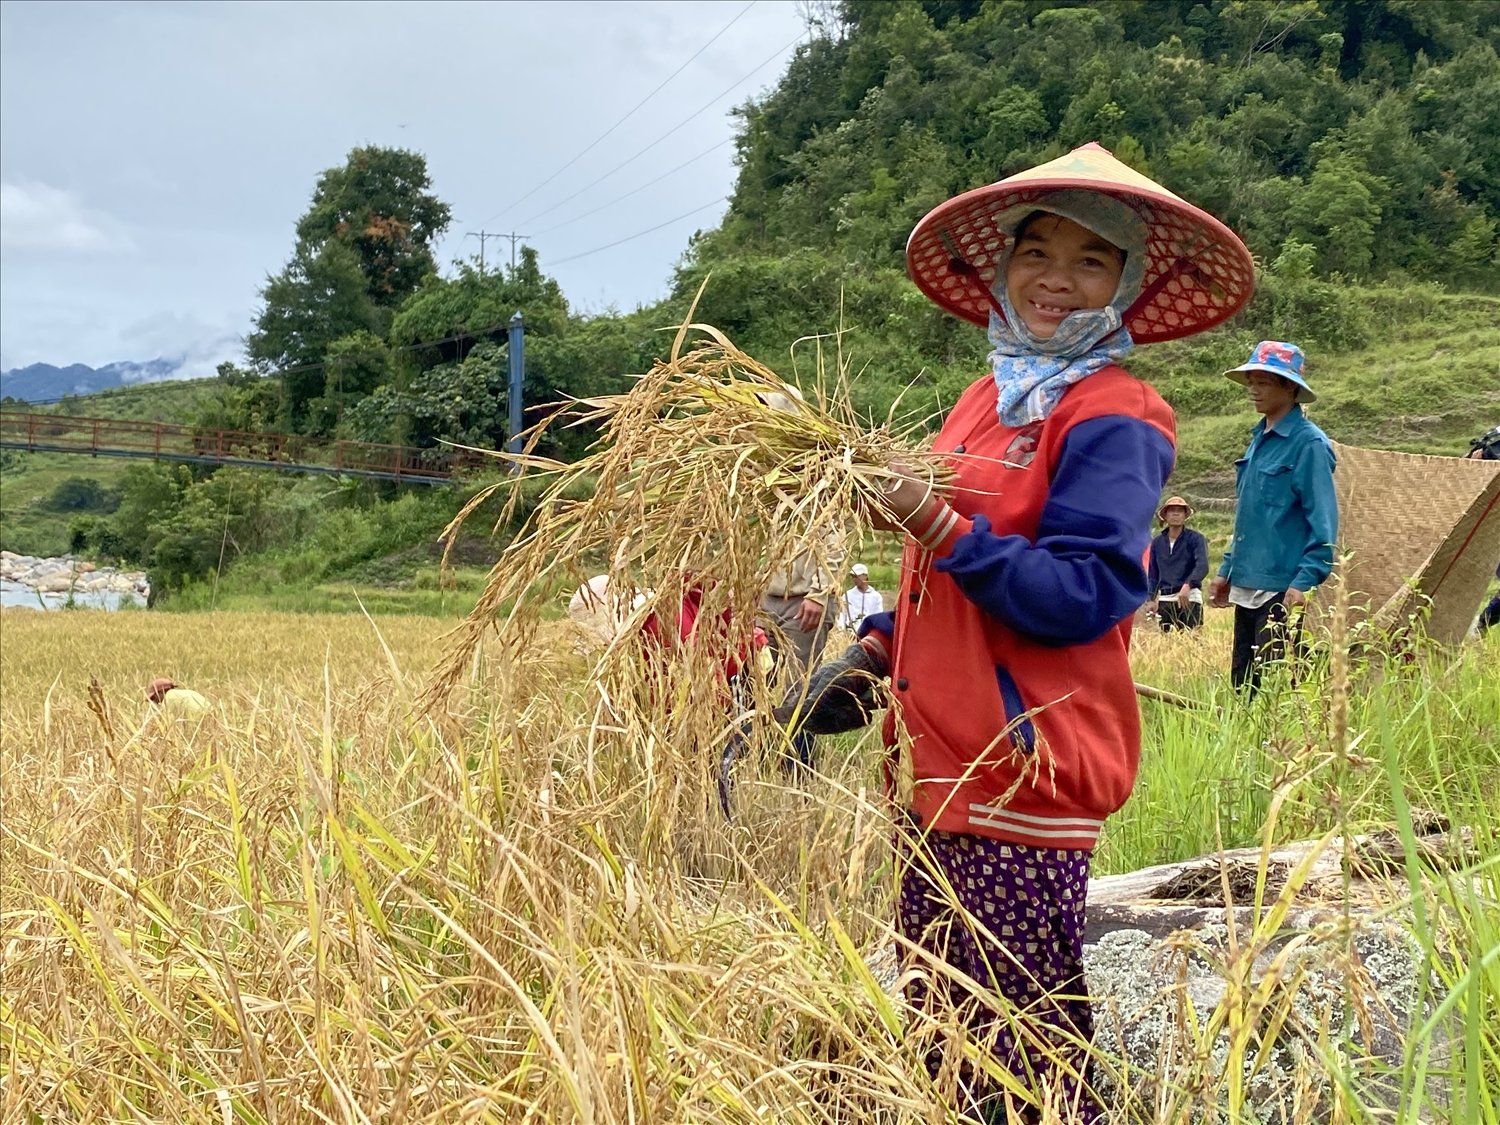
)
(1260, 635)
(1174, 616)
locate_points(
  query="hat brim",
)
(1197, 272)
(1241, 376)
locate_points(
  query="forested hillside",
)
(1354, 145)
(1365, 131)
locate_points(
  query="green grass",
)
(422, 596)
(170, 400)
(28, 525)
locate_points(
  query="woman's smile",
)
(1059, 267)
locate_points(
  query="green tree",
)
(1476, 254)
(465, 402)
(247, 401)
(363, 247)
(148, 493)
(473, 305)
(319, 297)
(229, 514)
(1338, 211)
(353, 367)
(380, 203)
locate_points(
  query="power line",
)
(640, 234)
(697, 113)
(643, 187)
(466, 334)
(628, 115)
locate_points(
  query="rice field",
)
(318, 903)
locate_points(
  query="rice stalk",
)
(699, 481)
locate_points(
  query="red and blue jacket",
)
(1008, 643)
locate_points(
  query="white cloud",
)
(107, 221)
(37, 216)
(196, 345)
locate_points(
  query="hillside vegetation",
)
(1348, 142)
(168, 400)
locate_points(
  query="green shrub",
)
(82, 494)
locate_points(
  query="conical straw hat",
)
(1198, 272)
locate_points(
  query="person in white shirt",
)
(861, 600)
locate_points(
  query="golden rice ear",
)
(693, 474)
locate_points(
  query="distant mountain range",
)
(43, 381)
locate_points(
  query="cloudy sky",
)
(154, 156)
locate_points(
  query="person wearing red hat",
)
(179, 702)
(1178, 566)
(1006, 653)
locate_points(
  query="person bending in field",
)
(179, 702)
(1006, 653)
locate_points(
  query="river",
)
(19, 594)
(58, 583)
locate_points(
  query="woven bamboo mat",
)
(1422, 532)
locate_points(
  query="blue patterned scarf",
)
(1031, 373)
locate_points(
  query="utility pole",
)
(514, 238)
(481, 235)
(517, 348)
(484, 234)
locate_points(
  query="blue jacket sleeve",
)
(1314, 487)
(1200, 559)
(1226, 560)
(1085, 572)
(1153, 573)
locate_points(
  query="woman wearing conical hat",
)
(1006, 653)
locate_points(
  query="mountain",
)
(42, 381)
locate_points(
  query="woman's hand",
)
(903, 494)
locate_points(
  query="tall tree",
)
(363, 247)
(380, 203)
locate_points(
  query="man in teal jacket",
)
(1286, 515)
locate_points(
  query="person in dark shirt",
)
(1179, 564)
(1486, 447)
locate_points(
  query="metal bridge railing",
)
(206, 445)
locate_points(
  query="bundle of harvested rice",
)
(710, 472)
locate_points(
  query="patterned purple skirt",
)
(1023, 942)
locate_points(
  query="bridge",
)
(289, 453)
